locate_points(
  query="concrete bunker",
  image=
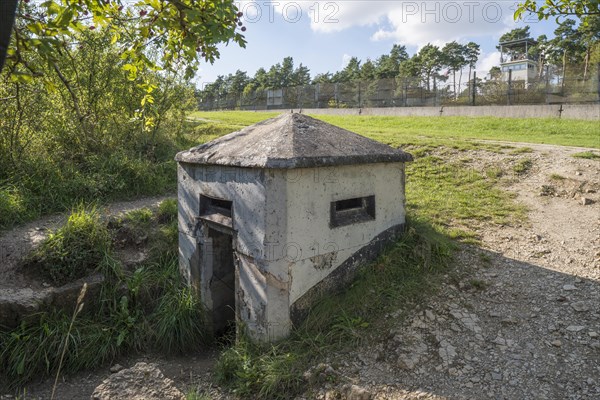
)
(277, 215)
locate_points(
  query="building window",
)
(216, 210)
(352, 211)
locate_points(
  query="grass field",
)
(444, 130)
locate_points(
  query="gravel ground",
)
(523, 322)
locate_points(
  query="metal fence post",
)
(359, 93)
(508, 91)
(473, 88)
(598, 72)
(547, 84)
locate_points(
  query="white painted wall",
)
(284, 242)
(309, 195)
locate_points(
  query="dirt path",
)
(518, 317)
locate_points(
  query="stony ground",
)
(517, 318)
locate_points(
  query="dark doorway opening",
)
(222, 285)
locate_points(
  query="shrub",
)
(167, 210)
(74, 249)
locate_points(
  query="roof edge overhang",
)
(304, 162)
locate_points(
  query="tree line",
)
(572, 44)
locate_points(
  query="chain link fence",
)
(414, 92)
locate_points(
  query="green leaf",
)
(21, 77)
(65, 18)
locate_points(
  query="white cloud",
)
(413, 23)
(345, 60)
(486, 62)
(439, 22)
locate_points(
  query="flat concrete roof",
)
(292, 141)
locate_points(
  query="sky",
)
(323, 35)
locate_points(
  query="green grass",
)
(447, 194)
(521, 150)
(522, 166)
(588, 155)
(557, 177)
(443, 130)
(82, 244)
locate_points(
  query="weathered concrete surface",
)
(569, 111)
(343, 274)
(19, 304)
(321, 248)
(292, 141)
(281, 231)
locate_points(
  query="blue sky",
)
(324, 34)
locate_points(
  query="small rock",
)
(568, 288)
(496, 376)
(590, 191)
(407, 362)
(578, 173)
(358, 393)
(575, 328)
(586, 201)
(556, 343)
(142, 381)
(579, 306)
(115, 368)
(593, 334)
(429, 315)
(45, 284)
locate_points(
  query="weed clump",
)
(167, 210)
(588, 155)
(75, 249)
(523, 166)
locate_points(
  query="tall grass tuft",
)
(74, 249)
(149, 308)
(78, 307)
(178, 322)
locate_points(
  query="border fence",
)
(413, 92)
